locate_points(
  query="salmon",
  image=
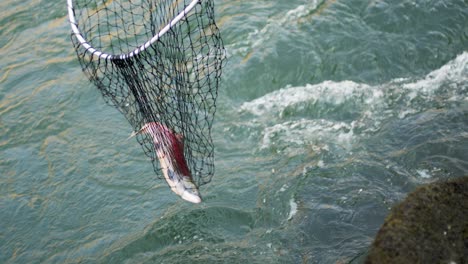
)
(169, 148)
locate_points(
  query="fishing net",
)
(155, 61)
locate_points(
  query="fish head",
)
(182, 185)
(191, 195)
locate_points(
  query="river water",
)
(329, 112)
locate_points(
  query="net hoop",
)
(106, 56)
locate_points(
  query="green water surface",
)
(329, 112)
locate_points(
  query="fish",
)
(169, 148)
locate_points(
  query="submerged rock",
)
(429, 226)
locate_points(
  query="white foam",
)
(456, 71)
(306, 132)
(335, 93)
(320, 164)
(372, 106)
(283, 188)
(293, 210)
(300, 11)
(454, 74)
(424, 174)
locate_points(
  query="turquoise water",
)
(329, 113)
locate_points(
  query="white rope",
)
(100, 54)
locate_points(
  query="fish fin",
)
(134, 133)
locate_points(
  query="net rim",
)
(93, 51)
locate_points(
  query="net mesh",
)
(173, 81)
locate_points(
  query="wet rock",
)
(429, 226)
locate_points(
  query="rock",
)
(429, 226)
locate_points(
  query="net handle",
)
(123, 56)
